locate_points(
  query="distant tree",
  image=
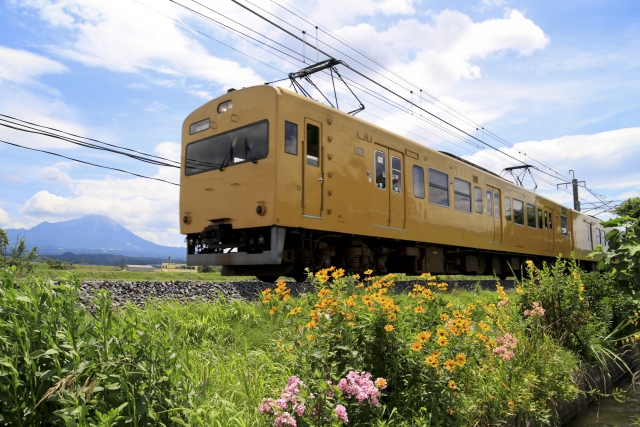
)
(630, 207)
(55, 264)
(18, 256)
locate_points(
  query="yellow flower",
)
(273, 310)
(450, 411)
(444, 317)
(452, 385)
(441, 332)
(295, 310)
(351, 324)
(323, 292)
(368, 272)
(286, 298)
(267, 298)
(511, 404)
(310, 337)
(449, 364)
(338, 273)
(432, 361)
(416, 346)
(436, 353)
(388, 328)
(442, 341)
(456, 313)
(449, 305)
(419, 309)
(355, 276)
(380, 383)
(461, 359)
(266, 291)
(424, 336)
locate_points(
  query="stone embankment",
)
(139, 292)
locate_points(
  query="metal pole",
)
(576, 201)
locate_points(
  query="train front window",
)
(461, 195)
(438, 188)
(518, 212)
(381, 169)
(290, 138)
(246, 144)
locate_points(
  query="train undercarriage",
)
(271, 252)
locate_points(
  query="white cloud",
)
(325, 11)
(124, 36)
(55, 175)
(23, 67)
(155, 107)
(4, 218)
(606, 161)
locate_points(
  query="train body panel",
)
(339, 190)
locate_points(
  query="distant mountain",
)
(91, 234)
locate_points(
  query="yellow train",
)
(273, 182)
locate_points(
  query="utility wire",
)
(91, 164)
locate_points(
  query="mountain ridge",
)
(91, 234)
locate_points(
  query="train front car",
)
(227, 185)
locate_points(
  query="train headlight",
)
(225, 106)
(261, 210)
(186, 219)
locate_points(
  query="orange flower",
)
(419, 309)
(310, 337)
(295, 310)
(431, 361)
(381, 383)
(388, 328)
(368, 272)
(449, 364)
(444, 317)
(416, 346)
(452, 385)
(273, 310)
(323, 292)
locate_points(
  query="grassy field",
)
(447, 358)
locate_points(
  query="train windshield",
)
(246, 144)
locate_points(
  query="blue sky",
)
(559, 81)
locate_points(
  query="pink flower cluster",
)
(503, 302)
(341, 412)
(287, 398)
(537, 310)
(360, 386)
(506, 342)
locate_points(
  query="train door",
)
(312, 170)
(381, 190)
(396, 193)
(548, 228)
(494, 215)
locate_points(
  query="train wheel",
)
(268, 279)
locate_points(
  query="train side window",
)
(381, 169)
(598, 239)
(588, 232)
(550, 219)
(546, 221)
(518, 212)
(462, 195)
(563, 225)
(477, 195)
(396, 174)
(531, 215)
(313, 145)
(438, 188)
(496, 204)
(540, 219)
(507, 208)
(418, 182)
(604, 238)
(290, 138)
(489, 202)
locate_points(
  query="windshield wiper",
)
(250, 152)
(226, 161)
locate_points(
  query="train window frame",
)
(488, 196)
(418, 172)
(190, 171)
(380, 173)
(496, 205)
(507, 208)
(517, 211)
(435, 187)
(478, 200)
(564, 225)
(588, 232)
(531, 215)
(598, 238)
(460, 196)
(290, 138)
(396, 175)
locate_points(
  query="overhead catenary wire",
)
(89, 163)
